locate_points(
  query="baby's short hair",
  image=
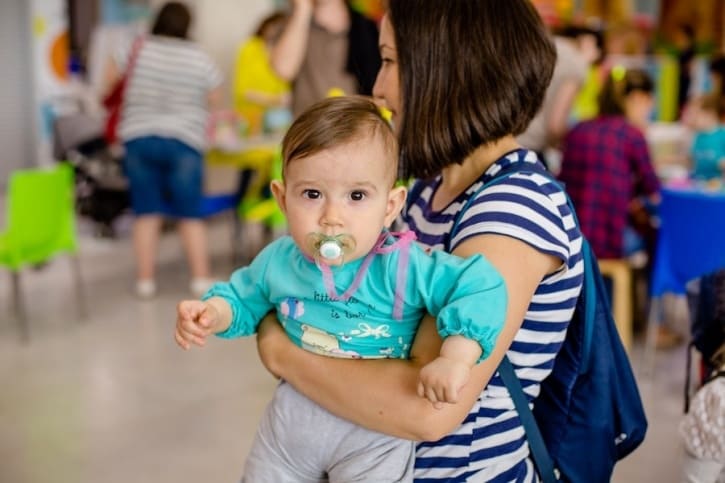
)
(336, 121)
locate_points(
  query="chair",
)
(40, 224)
(261, 159)
(259, 207)
(216, 204)
(620, 273)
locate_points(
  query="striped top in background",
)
(490, 445)
(167, 92)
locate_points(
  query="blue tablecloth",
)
(691, 240)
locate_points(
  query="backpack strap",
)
(539, 453)
(589, 286)
(542, 459)
(414, 192)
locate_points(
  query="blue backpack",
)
(589, 413)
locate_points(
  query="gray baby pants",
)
(299, 442)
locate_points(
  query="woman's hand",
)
(272, 342)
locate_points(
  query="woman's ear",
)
(396, 200)
(278, 191)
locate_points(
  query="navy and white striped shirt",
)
(167, 92)
(490, 445)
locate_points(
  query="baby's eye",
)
(311, 194)
(357, 195)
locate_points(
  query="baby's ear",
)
(278, 191)
(396, 200)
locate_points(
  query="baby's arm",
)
(468, 297)
(196, 320)
(442, 379)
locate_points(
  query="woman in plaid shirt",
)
(606, 164)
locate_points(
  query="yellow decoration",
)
(618, 72)
(335, 92)
(387, 115)
(39, 26)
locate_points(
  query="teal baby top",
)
(467, 296)
(708, 150)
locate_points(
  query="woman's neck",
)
(455, 178)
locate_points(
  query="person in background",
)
(708, 145)
(606, 164)
(713, 87)
(716, 73)
(326, 46)
(461, 80)
(577, 48)
(684, 44)
(703, 427)
(166, 104)
(608, 173)
(347, 287)
(257, 88)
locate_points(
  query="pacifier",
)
(330, 247)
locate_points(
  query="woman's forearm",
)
(382, 394)
(377, 394)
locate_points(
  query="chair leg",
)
(80, 291)
(19, 308)
(237, 232)
(654, 320)
(620, 274)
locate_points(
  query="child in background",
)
(259, 92)
(606, 165)
(703, 428)
(344, 286)
(708, 146)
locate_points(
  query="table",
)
(690, 244)
(254, 153)
(691, 238)
(224, 164)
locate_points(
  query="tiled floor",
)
(112, 399)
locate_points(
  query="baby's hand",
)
(442, 379)
(195, 321)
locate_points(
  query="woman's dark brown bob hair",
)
(471, 72)
(336, 121)
(173, 20)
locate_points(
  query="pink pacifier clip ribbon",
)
(402, 243)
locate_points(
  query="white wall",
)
(16, 127)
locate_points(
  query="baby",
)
(344, 286)
(708, 145)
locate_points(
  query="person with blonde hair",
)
(257, 88)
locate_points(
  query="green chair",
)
(258, 207)
(40, 224)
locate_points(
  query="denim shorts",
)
(165, 177)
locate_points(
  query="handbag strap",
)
(135, 50)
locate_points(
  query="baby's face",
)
(344, 190)
(705, 119)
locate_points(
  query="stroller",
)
(101, 188)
